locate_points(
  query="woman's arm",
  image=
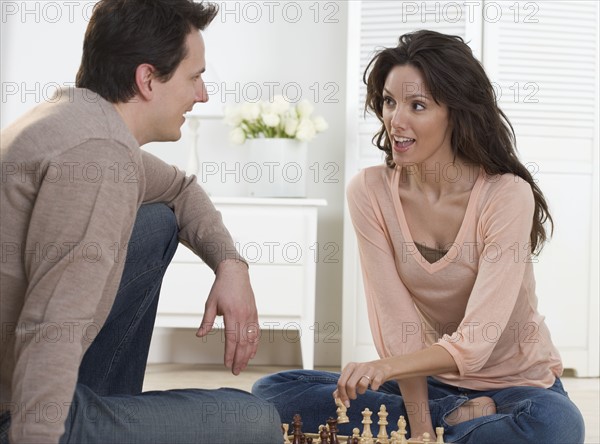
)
(395, 323)
(430, 361)
(416, 401)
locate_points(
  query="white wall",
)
(293, 47)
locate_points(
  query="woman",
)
(446, 231)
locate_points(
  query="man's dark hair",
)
(123, 34)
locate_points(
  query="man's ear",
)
(144, 76)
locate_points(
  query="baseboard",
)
(181, 346)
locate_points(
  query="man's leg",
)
(190, 416)
(108, 406)
(115, 362)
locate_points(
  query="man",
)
(89, 224)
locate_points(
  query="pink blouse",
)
(478, 301)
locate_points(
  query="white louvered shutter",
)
(543, 58)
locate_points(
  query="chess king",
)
(452, 309)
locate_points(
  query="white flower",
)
(250, 111)
(320, 124)
(280, 105)
(290, 126)
(237, 136)
(233, 116)
(278, 119)
(305, 109)
(271, 119)
(306, 130)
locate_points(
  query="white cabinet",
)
(278, 237)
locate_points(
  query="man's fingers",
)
(232, 337)
(247, 346)
(208, 320)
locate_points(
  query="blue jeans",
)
(108, 404)
(524, 414)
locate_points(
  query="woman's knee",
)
(275, 384)
(555, 419)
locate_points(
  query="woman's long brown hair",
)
(482, 134)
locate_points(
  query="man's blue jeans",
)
(524, 414)
(109, 406)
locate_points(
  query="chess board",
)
(327, 434)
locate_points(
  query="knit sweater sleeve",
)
(505, 226)
(200, 225)
(394, 321)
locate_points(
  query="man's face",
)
(176, 97)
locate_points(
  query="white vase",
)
(276, 168)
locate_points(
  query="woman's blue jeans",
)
(109, 406)
(524, 414)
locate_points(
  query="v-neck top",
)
(431, 255)
(478, 301)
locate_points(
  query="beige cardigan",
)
(478, 301)
(73, 178)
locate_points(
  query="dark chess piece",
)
(323, 435)
(332, 423)
(297, 427)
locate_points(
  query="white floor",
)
(585, 392)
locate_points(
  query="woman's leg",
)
(310, 393)
(524, 415)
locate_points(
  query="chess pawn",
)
(342, 418)
(309, 440)
(439, 432)
(402, 430)
(297, 426)
(426, 438)
(285, 428)
(333, 439)
(367, 436)
(382, 436)
(323, 435)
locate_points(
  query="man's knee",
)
(154, 234)
(238, 413)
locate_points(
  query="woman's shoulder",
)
(369, 185)
(506, 183)
(506, 188)
(374, 176)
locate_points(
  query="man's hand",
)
(231, 296)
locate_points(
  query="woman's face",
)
(418, 127)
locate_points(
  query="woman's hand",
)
(356, 378)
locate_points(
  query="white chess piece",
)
(382, 436)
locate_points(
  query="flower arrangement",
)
(276, 119)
